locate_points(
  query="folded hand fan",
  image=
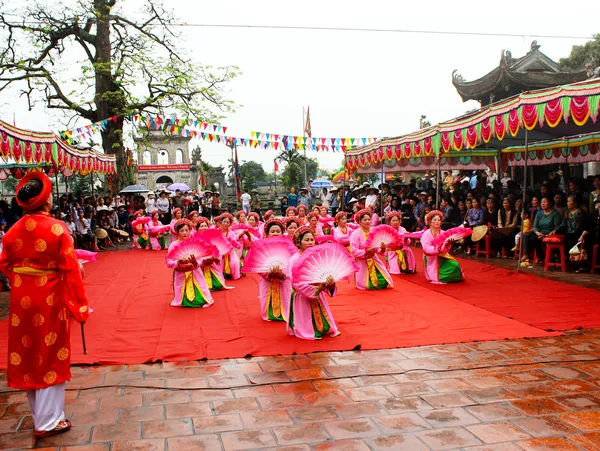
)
(352, 225)
(85, 256)
(192, 246)
(383, 234)
(416, 235)
(156, 230)
(140, 221)
(319, 262)
(216, 238)
(324, 239)
(241, 228)
(455, 233)
(268, 254)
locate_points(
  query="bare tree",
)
(94, 61)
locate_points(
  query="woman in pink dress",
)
(177, 215)
(230, 263)
(241, 217)
(211, 268)
(342, 232)
(372, 272)
(274, 288)
(139, 227)
(313, 223)
(189, 286)
(301, 211)
(440, 266)
(402, 260)
(291, 225)
(310, 317)
(158, 240)
(326, 221)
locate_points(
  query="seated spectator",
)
(574, 225)
(546, 222)
(591, 234)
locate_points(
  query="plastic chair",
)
(561, 249)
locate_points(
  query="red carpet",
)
(529, 299)
(133, 323)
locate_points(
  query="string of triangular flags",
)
(214, 132)
(86, 130)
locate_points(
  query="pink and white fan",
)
(455, 233)
(183, 250)
(383, 234)
(414, 235)
(154, 231)
(269, 254)
(216, 238)
(85, 256)
(241, 228)
(317, 263)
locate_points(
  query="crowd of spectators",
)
(568, 210)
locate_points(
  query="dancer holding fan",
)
(367, 248)
(212, 269)
(157, 232)
(440, 266)
(187, 257)
(177, 215)
(291, 225)
(314, 272)
(342, 232)
(313, 223)
(400, 260)
(230, 261)
(269, 257)
(140, 230)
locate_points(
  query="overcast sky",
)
(356, 83)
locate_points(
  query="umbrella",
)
(178, 186)
(135, 189)
(321, 183)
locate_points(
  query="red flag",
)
(202, 180)
(275, 166)
(307, 128)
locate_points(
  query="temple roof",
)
(515, 75)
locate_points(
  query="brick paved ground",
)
(535, 406)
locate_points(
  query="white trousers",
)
(47, 406)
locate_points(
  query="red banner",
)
(164, 167)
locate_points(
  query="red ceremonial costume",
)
(39, 259)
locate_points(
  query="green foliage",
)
(9, 185)
(583, 54)
(79, 183)
(122, 61)
(250, 173)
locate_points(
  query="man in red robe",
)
(39, 259)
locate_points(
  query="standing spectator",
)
(335, 201)
(292, 198)
(163, 207)
(178, 200)
(246, 200)
(216, 205)
(150, 203)
(448, 181)
(303, 199)
(504, 180)
(255, 202)
(325, 198)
